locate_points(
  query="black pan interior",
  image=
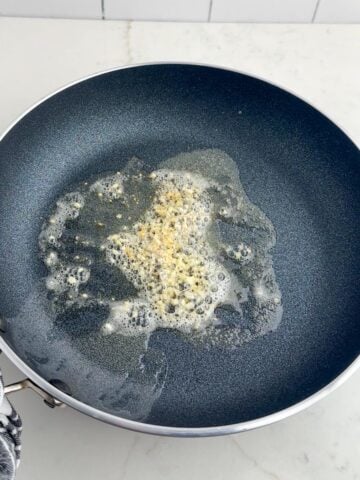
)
(295, 164)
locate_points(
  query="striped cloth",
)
(10, 433)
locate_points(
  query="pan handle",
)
(49, 400)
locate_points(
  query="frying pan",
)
(294, 163)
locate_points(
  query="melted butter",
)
(182, 248)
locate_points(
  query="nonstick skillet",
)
(295, 164)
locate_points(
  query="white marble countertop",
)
(318, 62)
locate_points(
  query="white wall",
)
(298, 11)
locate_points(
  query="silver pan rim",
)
(160, 429)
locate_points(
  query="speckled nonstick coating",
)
(295, 164)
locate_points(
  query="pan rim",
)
(178, 431)
(160, 429)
